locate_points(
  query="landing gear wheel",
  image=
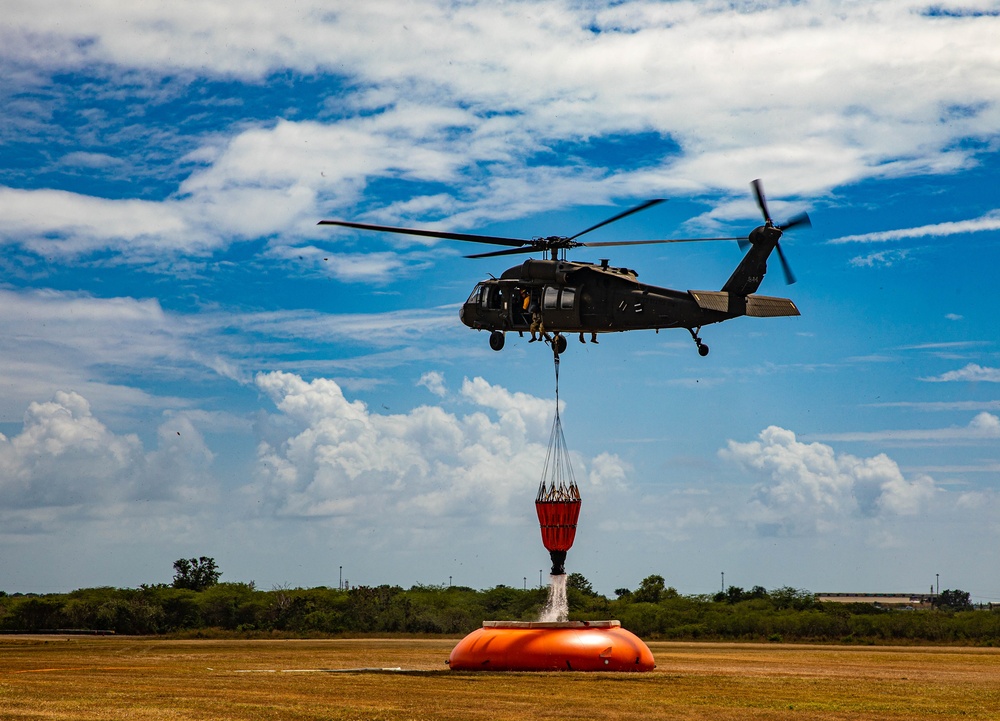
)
(496, 340)
(559, 344)
(702, 348)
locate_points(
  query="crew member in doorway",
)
(537, 326)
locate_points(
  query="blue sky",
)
(191, 366)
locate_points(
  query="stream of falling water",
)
(557, 607)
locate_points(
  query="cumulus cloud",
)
(412, 470)
(434, 382)
(66, 458)
(810, 488)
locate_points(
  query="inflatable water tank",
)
(561, 646)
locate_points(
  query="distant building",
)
(913, 600)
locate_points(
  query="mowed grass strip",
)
(76, 678)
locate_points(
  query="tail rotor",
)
(802, 219)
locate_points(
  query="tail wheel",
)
(702, 348)
(497, 340)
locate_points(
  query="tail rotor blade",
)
(758, 191)
(800, 219)
(789, 275)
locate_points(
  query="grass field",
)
(80, 678)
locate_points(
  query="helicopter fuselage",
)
(556, 296)
(579, 297)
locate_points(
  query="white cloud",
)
(972, 372)
(608, 472)
(884, 258)
(809, 488)
(434, 382)
(983, 427)
(947, 345)
(379, 330)
(989, 221)
(943, 405)
(513, 80)
(66, 458)
(56, 221)
(55, 339)
(407, 471)
(374, 267)
(52, 339)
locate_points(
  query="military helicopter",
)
(587, 298)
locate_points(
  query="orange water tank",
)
(565, 646)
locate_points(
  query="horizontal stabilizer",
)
(763, 306)
(711, 299)
(759, 306)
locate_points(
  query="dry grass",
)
(138, 678)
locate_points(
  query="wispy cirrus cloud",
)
(989, 221)
(972, 372)
(942, 405)
(945, 345)
(881, 259)
(985, 426)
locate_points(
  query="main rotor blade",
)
(758, 191)
(429, 233)
(510, 251)
(800, 219)
(636, 209)
(789, 276)
(608, 244)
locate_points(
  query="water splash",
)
(557, 607)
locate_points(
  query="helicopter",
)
(587, 298)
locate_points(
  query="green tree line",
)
(652, 611)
